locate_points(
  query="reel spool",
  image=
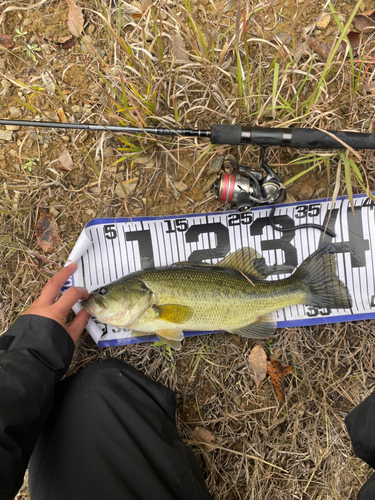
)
(246, 187)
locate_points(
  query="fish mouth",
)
(93, 305)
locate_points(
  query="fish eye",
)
(102, 291)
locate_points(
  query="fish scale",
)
(220, 299)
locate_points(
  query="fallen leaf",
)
(63, 39)
(365, 22)
(47, 233)
(75, 19)
(257, 359)
(354, 39)
(277, 373)
(61, 115)
(65, 160)
(69, 43)
(181, 186)
(320, 48)
(6, 41)
(204, 435)
(178, 49)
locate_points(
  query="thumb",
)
(78, 324)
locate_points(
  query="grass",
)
(234, 72)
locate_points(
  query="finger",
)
(78, 325)
(52, 288)
(71, 297)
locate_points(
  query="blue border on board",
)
(95, 222)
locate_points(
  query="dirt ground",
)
(190, 64)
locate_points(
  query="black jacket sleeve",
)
(34, 355)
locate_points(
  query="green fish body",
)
(232, 296)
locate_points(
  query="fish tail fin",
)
(318, 274)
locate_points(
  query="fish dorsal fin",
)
(174, 313)
(248, 261)
(264, 327)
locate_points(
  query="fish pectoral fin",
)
(264, 327)
(173, 338)
(174, 313)
(248, 261)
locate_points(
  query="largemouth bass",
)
(231, 296)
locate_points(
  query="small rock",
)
(108, 152)
(143, 159)
(125, 188)
(66, 138)
(54, 212)
(324, 21)
(91, 29)
(367, 123)
(100, 52)
(27, 22)
(15, 112)
(46, 48)
(76, 109)
(85, 218)
(94, 87)
(215, 165)
(89, 211)
(209, 183)
(181, 186)
(181, 80)
(51, 20)
(307, 190)
(12, 127)
(13, 152)
(5, 92)
(95, 190)
(5, 83)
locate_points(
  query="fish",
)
(232, 295)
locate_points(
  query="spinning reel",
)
(246, 187)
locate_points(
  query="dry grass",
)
(130, 72)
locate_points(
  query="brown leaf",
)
(365, 22)
(354, 39)
(69, 43)
(257, 359)
(178, 49)
(47, 233)
(320, 48)
(6, 41)
(75, 19)
(65, 160)
(204, 435)
(277, 372)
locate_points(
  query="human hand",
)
(46, 306)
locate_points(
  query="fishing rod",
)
(246, 187)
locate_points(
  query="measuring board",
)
(108, 249)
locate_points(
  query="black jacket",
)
(34, 355)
